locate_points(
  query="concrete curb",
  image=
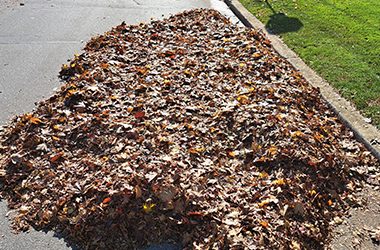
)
(347, 114)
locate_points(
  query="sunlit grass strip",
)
(340, 40)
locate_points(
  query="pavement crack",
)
(38, 42)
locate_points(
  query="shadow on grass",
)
(279, 23)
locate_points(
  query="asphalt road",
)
(36, 38)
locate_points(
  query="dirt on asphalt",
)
(361, 228)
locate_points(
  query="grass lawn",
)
(339, 39)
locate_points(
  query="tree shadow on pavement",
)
(279, 23)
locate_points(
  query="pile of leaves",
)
(189, 129)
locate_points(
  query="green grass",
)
(340, 40)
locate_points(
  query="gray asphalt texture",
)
(36, 38)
